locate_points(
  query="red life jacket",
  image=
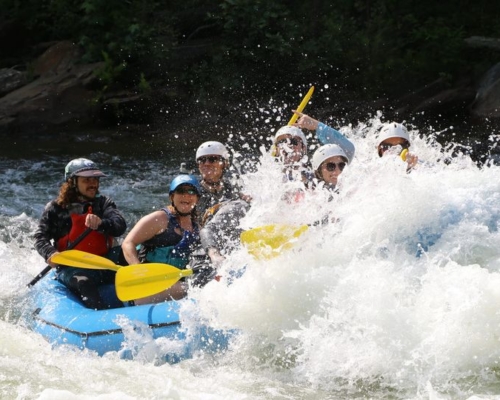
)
(95, 242)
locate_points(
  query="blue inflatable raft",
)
(63, 320)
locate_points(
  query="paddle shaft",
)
(301, 106)
(46, 270)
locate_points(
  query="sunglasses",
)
(186, 190)
(331, 166)
(209, 159)
(387, 146)
(292, 141)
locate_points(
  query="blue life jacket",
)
(169, 247)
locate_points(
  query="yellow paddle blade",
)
(143, 280)
(82, 259)
(302, 105)
(268, 241)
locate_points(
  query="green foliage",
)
(107, 75)
(377, 46)
(382, 45)
(109, 72)
(134, 33)
(144, 85)
(259, 26)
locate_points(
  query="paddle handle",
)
(42, 273)
(302, 105)
(403, 154)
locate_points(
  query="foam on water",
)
(401, 292)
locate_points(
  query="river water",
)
(398, 299)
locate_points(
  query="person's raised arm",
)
(325, 133)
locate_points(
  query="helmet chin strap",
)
(181, 213)
(74, 184)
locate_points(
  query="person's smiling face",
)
(185, 198)
(331, 168)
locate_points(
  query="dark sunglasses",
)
(210, 159)
(292, 141)
(387, 146)
(331, 166)
(186, 190)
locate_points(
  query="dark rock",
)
(59, 97)
(483, 42)
(447, 100)
(10, 80)
(487, 101)
(58, 59)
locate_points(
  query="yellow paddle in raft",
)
(143, 280)
(268, 241)
(302, 105)
(133, 281)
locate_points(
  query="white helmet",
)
(211, 149)
(392, 130)
(325, 152)
(292, 131)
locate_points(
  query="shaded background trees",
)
(212, 53)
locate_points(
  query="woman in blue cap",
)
(168, 235)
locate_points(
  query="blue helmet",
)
(185, 180)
